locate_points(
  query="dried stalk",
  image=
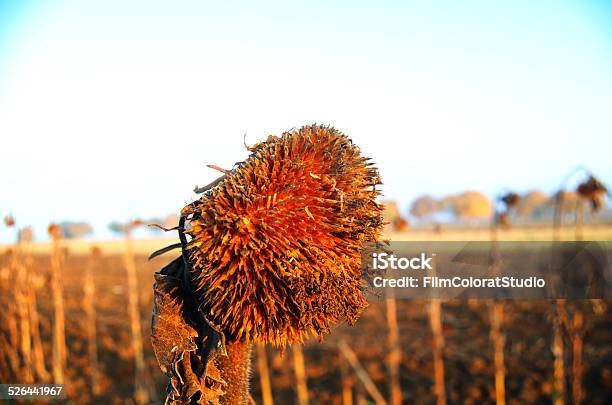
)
(300, 374)
(559, 312)
(361, 373)
(499, 340)
(23, 316)
(38, 356)
(347, 384)
(57, 291)
(579, 221)
(577, 321)
(435, 319)
(11, 323)
(141, 394)
(264, 375)
(9, 359)
(435, 323)
(577, 367)
(497, 336)
(558, 352)
(395, 352)
(235, 369)
(89, 306)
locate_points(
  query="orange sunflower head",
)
(55, 231)
(9, 220)
(275, 246)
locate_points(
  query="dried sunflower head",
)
(276, 245)
(55, 231)
(510, 199)
(594, 191)
(9, 220)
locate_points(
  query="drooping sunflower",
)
(594, 191)
(275, 246)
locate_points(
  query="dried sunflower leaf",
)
(184, 343)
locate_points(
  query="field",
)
(468, 354)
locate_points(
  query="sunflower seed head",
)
(276, 245)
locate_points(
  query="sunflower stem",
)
(235, 370)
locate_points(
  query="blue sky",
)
(110, 110)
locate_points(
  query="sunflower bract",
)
(276, 245)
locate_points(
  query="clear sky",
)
(110, 110)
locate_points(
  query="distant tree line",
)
(474, 206)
